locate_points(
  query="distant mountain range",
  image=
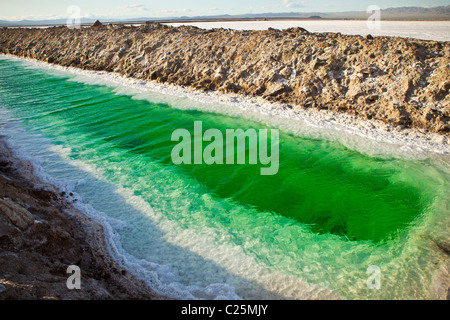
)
(402, 13)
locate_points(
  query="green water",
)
(328, 208)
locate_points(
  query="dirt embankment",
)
(395, 80)
(41, 234)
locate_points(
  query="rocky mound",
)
(41, 234)
(395, 80)
(97, 24)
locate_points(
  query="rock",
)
(440, 286)
(352, 49)
(276, 88)
(318, 63)
(367, 70)
(220, 73)
(428, 114)
(229, 86)
(97, 24)
(286, 72)
(398, 115)
(19, 216)
(354, 89)
(372, 98)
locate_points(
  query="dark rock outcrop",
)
(97, 24)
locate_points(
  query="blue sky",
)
(46, 9)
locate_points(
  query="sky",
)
(47, 9)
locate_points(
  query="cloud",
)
(134, 6)
(173, 12)
(293, 4)
(139, 7)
